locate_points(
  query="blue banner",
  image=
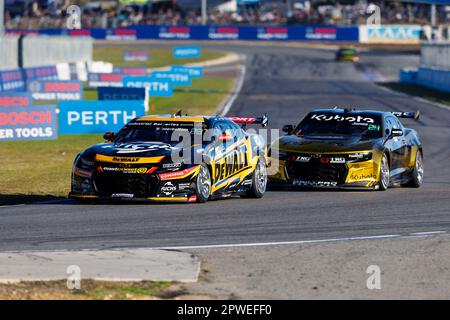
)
(41, 73)
(109, 93)
(56, 90)
(131, 71)
(193, 72)
(262, 33)
(15, 99)
(186, 52)
(80, 117)
(156, 87)
(12, 80)
(37, 122)
(177, 78)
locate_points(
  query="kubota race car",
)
(174, 158)
(349, 148)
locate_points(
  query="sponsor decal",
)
(178, 174)
(135, 55)
(130, 160)
(232, 163)
(177, 78)
(337, 160)
(137, 148)
(192, 198)
(303, 159)
(122, 195)
(82, 173)
(106, 79)
(157, 87)
(186, 52)
(223, 33)
(168, 188)
(15, 99)
(140, 170)
(362, 176)
(116, 93)
(184, 186)
(56, 90)
(80, 117)
(352, 119)
(272, 33)
(304, 183)
(36, 122)
(171, 165)
(174, 32)
(321, 33)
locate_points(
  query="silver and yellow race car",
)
(174, 158)
(347, 148)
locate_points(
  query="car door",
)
(394, 145)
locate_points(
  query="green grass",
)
(40, 170)
(420, 91)
(158, 57)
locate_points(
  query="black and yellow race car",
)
(347, 148)
(347, 54)
(174, 158)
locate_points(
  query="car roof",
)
(171, 118)
(353, 112)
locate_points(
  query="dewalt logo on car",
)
(129, 160)
(230, 165)
(125, 160)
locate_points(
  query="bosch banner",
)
(41, 73)
(15, 99)
(37, 122)
(131, 71)
(247, 33)
(186, 52)
(156, 87)
(105, 79)
(12, 80)
(56, 90)
(178, 79)
(135, 56)
(80, 117)
(193, 72)
(109, 93)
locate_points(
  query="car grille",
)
(140, 185)
(316, 171)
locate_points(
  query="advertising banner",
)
(56, 90)
(82, 117)
(131, 71)
(156, 87)
(105, 79)
(110, 93)
(193, 72)
(186, 52)
(403, 34)
(15, 99)
(12, 80)
(177, 78)
(141, 55)
(36, 122)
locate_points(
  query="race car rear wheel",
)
(384, 173)
(259, 180)
(203, 184)
(417, 173)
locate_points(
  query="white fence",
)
(435, 55)
(48, 50)
(8, 52)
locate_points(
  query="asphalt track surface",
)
(286, 83)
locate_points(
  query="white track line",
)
(235, 94)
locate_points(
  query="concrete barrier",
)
(435, 55)
(8, 52)
(47, 50)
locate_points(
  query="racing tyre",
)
(203, 184)
(384, 173)
(259, 180)
(417, 173)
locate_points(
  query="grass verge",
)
(90, 290)
(419, 91)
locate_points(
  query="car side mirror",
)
(288, 128)
(108, 136)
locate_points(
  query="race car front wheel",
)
(384, 173)
(259, 180)
(203, 184)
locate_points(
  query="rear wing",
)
(263, 121)
(407, 115)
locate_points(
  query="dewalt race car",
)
(347, 148)
(347, 55)
(174, 158)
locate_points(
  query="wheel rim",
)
(419, 167)
(204, 182)
(384, 171)
(261, 177)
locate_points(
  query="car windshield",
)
(340, 124)
(162, 131)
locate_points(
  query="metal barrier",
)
(47, 50)
(8, 52)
